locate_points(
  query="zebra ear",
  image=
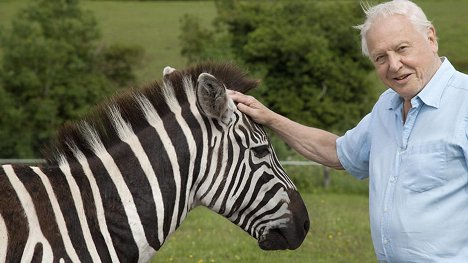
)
(168, 70)
(213, 99)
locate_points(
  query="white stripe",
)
(98, 203)
(248, 196)
(235, 157)
(177, 110)
(3, 239)
(58, 215)
(127, 135)
(155, 121)
(76, 194)
(217, 178)
(125, 195)
(279, 218)
(191, 96)
(35, 233)
(280, 196)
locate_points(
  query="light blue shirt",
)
(417, 170)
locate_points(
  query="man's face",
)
(404, 59)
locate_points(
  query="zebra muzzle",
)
(292, 234)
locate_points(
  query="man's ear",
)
(213, 99)
(432, 38)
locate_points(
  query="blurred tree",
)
(306, 53)
(52, 70)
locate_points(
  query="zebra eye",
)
(261, 151)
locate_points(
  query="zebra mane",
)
(73, 135)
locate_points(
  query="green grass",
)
(339, 233)
(153, 25)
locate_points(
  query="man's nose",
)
(394, 61)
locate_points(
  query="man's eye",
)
(261, 151)
(379, 59)
(402, 48)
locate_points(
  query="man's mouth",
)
(402, 77)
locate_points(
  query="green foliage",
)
(310, 179)
(118, 61)
(52, 71)
(306, 52)
(199, 44)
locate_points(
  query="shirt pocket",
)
(422, 167)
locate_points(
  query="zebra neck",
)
(136, 199)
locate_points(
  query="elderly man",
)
(413, 146)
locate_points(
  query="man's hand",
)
(252, 107)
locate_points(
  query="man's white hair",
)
(396, 7)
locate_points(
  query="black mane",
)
(73, 134)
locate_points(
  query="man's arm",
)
(314, 144)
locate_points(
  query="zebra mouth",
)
(273, 240)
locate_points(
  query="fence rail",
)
(22, 161)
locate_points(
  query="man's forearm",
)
(314, 144)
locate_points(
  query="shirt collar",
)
(431, 94)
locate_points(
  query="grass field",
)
(339, 233)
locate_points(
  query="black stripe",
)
(239, 171)
(15, 219)
(268, 196)
(262, 180)
(218, 168)
(67, 207)
(197, 134)
(117, 222)
(209, 155)
(44, 210)
(159, 159)
(38, 253)
(234, 190)
(222, 185)
(90, 211)
(261, 223)
(140, 189)
(179, 141)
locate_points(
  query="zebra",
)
(119, 181)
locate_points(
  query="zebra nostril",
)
(306, 225)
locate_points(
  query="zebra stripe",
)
(76, 194)
(97, 201)
(154, 120)
(122, 188)
(127, 135)
(58, 215)
(35, 233)
(3, 239)
(176, 108)
(191, 98)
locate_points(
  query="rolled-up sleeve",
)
(353, 149)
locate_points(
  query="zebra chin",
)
(289, 235)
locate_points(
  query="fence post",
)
(326, 176)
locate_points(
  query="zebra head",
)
(244, 181)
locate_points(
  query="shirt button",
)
(385, 241)
(392, 180)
